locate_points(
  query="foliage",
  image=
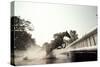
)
(19, 27)
(20, 24)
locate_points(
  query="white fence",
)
(87, 42)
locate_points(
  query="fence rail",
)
(88, 41)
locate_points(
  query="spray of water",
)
(35, 52)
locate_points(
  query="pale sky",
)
(48, 19)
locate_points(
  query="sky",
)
(48, 19)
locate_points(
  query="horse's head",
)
(67, 34)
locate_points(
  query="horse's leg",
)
(49, 49)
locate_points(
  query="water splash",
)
(35, 52)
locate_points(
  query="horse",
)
(58, 41)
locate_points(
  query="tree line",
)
(20, 28)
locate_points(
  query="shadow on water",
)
(52, 61)
(81, 56)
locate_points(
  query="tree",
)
(20, 28)
(20, 24)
